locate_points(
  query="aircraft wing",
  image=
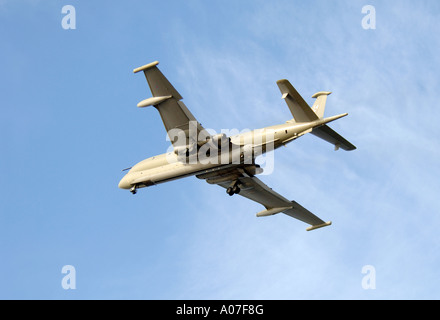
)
(166, 99)
(254, 189)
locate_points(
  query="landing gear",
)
(133, 189)
(233, 189)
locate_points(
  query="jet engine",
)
(220, 139)
(184, 150)
(253, 169)
(247, 152)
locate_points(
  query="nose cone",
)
(124, 183)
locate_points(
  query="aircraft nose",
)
(124, 184)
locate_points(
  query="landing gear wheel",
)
(233, 190)
(133, 190)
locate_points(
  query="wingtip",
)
(319, 226)
(146, 67)
(282, 81)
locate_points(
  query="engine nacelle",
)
(220, 139)
(253, 169)
(184, 150)
(248, 150)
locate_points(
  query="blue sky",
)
(69, 125)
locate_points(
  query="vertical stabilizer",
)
(319, 105)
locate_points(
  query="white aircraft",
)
(229, 161)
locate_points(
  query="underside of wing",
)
(167, 100)
(251, 187)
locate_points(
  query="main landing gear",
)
(233, 189)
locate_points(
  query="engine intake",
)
(184, 150)
(220, 139)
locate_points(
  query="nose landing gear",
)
(133, 189)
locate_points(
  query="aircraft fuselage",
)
(228, 159)
(242, 149)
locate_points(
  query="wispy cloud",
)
(188, 239)
(377, 196)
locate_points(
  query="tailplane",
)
(300, 110)
(302, 113)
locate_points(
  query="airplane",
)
(232, 164)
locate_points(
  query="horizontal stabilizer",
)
(300, 110)
(326, 133)
(302, 113)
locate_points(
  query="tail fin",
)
(319, 105)
(303, 113)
